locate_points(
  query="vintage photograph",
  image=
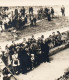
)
(34, 42)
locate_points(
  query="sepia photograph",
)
(34, 40)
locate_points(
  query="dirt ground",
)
(42, 26)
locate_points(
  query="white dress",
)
(15, 59)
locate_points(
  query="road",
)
(49, 71)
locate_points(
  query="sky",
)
(33, 2)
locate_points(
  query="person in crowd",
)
(26, 19)
(42, 48)
(51, 45)
(39, 14)
(53, 39)
(52, 12)
(23, 12)
(5, 24)
(31, 21)
(63, 10)
(63, 37)
(15, 62)
(20, 23)
(10, 23)
(46, 12)
(34, 48)
(29, 54)
(58, 39)
(46, 51)
(49, 15)
(31, 10)
(34, 21)
(23, 21)
(16, 13)
(23, 56)
(6, 74)
(33, 40)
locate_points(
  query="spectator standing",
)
(52, 12)
(25, 19)
(23, 12)
(16, 14)
(31, 10)
(49, 15)
(31, 20)
(34, 21)
(63, 10)
(46, 51)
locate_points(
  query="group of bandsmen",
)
(25, 56)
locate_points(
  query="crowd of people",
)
(47, 12)
(26, 56)
(19, 17)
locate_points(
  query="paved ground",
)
(49, 71)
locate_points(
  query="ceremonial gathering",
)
(19, 17)
(32, 38)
